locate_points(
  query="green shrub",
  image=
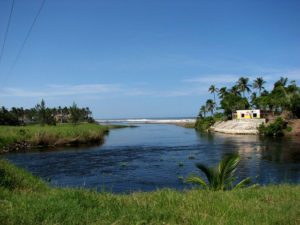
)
(289, 129)
(273, 129)
(204, 123)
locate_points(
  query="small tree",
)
(221, 177)
(75, 113)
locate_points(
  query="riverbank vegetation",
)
(25, 199)
(276, 128)
(22, 138)
(282, 100)
(42, 127)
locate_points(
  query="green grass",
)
(62, 134)
(25, 199)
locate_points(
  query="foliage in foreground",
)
(25, 199)
(221, 177)
(274, 129)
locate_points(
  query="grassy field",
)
(62, 134)
(25, 199)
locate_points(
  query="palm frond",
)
(243, 183)
(197, 180)
(208, 171)
(226, 169)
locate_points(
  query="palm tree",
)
(210, 105)
(203, 111)
(213, 90)
(222, 92)
(235, 90)
(221, 176)
(258, 84)
(243, 85)
(281, 82)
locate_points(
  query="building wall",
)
(248, 114)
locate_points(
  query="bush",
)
(203, 123)
(274, 129)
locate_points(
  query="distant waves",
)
(152, 121)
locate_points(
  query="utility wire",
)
(27, 36)
(7, 29)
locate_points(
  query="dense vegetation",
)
(22, 138)
(283, 97)
(274, 129)
(44, 115)
(25, 199)
(36, 135)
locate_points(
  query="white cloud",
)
(214, 79)
(63, 90)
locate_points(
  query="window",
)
(242, 115)
(254, 115)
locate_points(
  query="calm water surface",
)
(143, 148)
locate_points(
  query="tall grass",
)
(62, 134)
(33, 202)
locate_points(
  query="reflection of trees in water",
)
(263, 156)
(280, 150)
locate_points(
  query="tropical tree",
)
(212, 89)
(222, 92)
(243, 85)
(258, 84)
(220, 177)
(203, 111)
(235, 90)
(281, 82)
(210, 105)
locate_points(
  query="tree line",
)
(45, 115)
(283, 97)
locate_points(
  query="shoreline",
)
(27, 199)
(29, 138)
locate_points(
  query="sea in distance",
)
(147, 157)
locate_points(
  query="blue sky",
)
(144, 58)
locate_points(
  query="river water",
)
(146, 158)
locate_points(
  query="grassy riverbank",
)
(62, 134)
(25, 199)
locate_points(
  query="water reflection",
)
(151, 154)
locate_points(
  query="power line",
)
(27, 36)
(7, 29)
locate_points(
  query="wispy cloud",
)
(63, 90)
(213, 78)
(92, 90)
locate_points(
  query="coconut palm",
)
(243, 85)
(221, 176)
(203, 111)
(235, 90)
(210, 105)
(213, 90)
(281, 82)
(222, 92)
(258, 84)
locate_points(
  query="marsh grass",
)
(62, 134)
(25, 199)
